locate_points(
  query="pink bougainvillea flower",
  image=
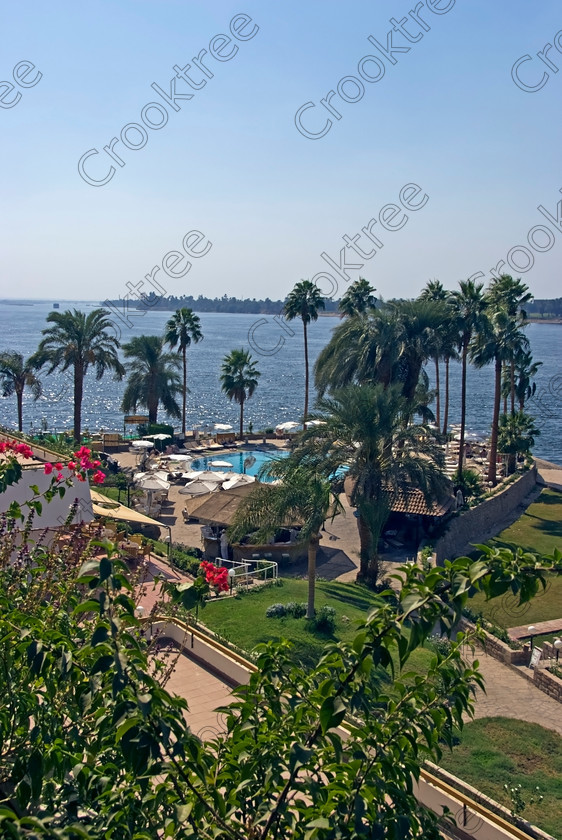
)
(98, 477)
(72, 465)
(48, 469)
(60, 477)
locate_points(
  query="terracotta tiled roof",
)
(412, 501)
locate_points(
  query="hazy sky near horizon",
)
(441, 111)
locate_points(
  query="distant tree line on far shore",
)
(201, 303)
(545, 308)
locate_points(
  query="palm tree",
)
(153, 377)
(385, 345)
(239, 379)
(303, 497)
(363, 431)
(358, 299)
(449, 350)
(434, 290)
(516, 435)
(469, 305)
(183, 328)
(76, 341)
(494, 342)
(511, 295)
(304, 302)
(15, 374)
(525, 371)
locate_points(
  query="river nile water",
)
(279, 395)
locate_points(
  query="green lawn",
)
(243, 622)
(506, 612)
(496, 751)
(539, 529)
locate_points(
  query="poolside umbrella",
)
(288, 426)
(154, 483)
(237, 480)
(210, 475)
(222, 427)
(225, 464)
(198, 488)
(159, 436)
(315, 422)
(179, 457)
(142, 444)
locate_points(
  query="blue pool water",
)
(237, 460)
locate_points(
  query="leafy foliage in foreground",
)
(92, 744)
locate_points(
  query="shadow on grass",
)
(353, 594)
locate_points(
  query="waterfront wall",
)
(480, 523)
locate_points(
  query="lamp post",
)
(557, 644)
(531, 630)
(231, 574)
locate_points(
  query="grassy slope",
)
(495, 751)
(538, 530)
(242, 620)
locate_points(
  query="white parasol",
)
(142, 444)
(198, 488)
(287, 426)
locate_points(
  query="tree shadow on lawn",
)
(354, 594)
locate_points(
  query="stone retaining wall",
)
(498, 649)
(548, 683)
(478, 524)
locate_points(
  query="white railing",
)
(244, 569)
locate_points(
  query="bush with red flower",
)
(11, 473)
(215, 576)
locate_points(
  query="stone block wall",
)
(478, 524)
(548, 683)
(498, 649)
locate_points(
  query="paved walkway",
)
(509, 694)
(549, 474)
(202, 689)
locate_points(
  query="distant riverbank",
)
(544, 320)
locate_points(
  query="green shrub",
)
(325, 619)
(276, 611)
(441, 644)
(295, 609)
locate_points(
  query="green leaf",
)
(103, 663)
(332, 713)
(105, 569)
(299, 756)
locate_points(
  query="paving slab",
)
(509, 694)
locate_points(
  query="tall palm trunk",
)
(466, 339)
(19, 399)
(492, 465)
(242, 418)
(305, 374)
(512, 383)
(446, 408)
(184, 391)
(312, 550)
(437, 394)
(365, 549)
(78, 395)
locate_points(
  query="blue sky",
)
(231, 164)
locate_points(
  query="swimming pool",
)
(237, 460)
